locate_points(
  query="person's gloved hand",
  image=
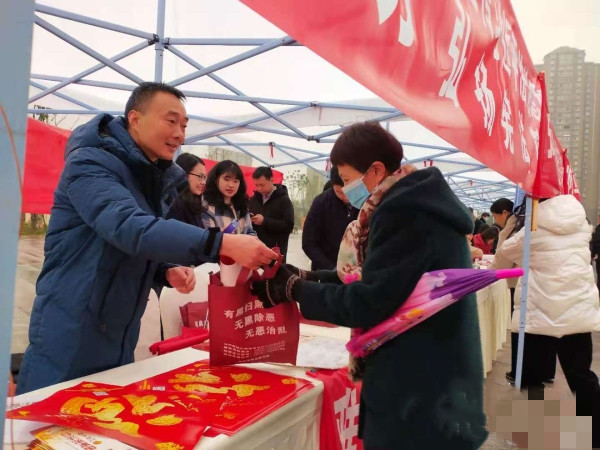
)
(304, 274)
(276, 290)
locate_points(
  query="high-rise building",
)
(574, 100)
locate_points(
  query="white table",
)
(293, 426)
(493, 307)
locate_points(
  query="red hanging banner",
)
(44, 160)
(458, 67)
(339, 415)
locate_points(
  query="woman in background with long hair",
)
(225, 199)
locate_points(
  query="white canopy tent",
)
(249, 86)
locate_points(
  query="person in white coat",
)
(562, 304)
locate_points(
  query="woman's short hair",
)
(490, 233)
(502, 204)
(361, 144)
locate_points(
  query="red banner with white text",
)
(458, 67)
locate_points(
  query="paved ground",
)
(514, 420)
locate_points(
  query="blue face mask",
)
(357, 192)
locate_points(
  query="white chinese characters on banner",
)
(485, 97)
(506, 122)
(346, 414)
(406, 33)
(461, 34)
(534, 101)
(535, 135)
(524, 151)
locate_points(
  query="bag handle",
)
(270, 270)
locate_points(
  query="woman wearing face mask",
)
(423, 389)
(188, 205)
(226, 201)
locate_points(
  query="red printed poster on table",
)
(161, 419)
(244, 395)
(242, 330)
(458, 67)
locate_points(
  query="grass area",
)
(37, 227)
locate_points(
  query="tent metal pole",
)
(340, 130)
(296, 149)
(303, 160)
(458, 172)
(275, 43)
(16, 28)
(159, 46)
(427, 158)
(243, 150)
(85, 49)
(524, 289)
(299, 161)
(236, 91)
(63, 96)
(91, 70)
(244, 123)
(252, 42)
(72, 111)
(94, 22)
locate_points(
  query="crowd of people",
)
(126, 219)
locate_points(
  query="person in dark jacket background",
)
(272, 212)
(595, 249)
(481, 221)
(188, 205)
(325, 224)
(108, 243)
(418, 225)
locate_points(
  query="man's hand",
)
(247, 250)
(181, 278)
(257, 219)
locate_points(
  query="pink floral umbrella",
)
(435, 291)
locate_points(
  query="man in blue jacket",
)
(108, 243)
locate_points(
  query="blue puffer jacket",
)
(107, 245)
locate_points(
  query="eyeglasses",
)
(202, 177)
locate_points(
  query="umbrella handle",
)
(509, 273)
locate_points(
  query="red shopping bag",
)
(194, 314)
(242, 331)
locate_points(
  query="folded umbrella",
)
(435, 291)
(188, 338)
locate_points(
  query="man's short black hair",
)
(502, 204)
(485, 214)
(334, 177)
(363, 143)
(263, 172)
(142, 94)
